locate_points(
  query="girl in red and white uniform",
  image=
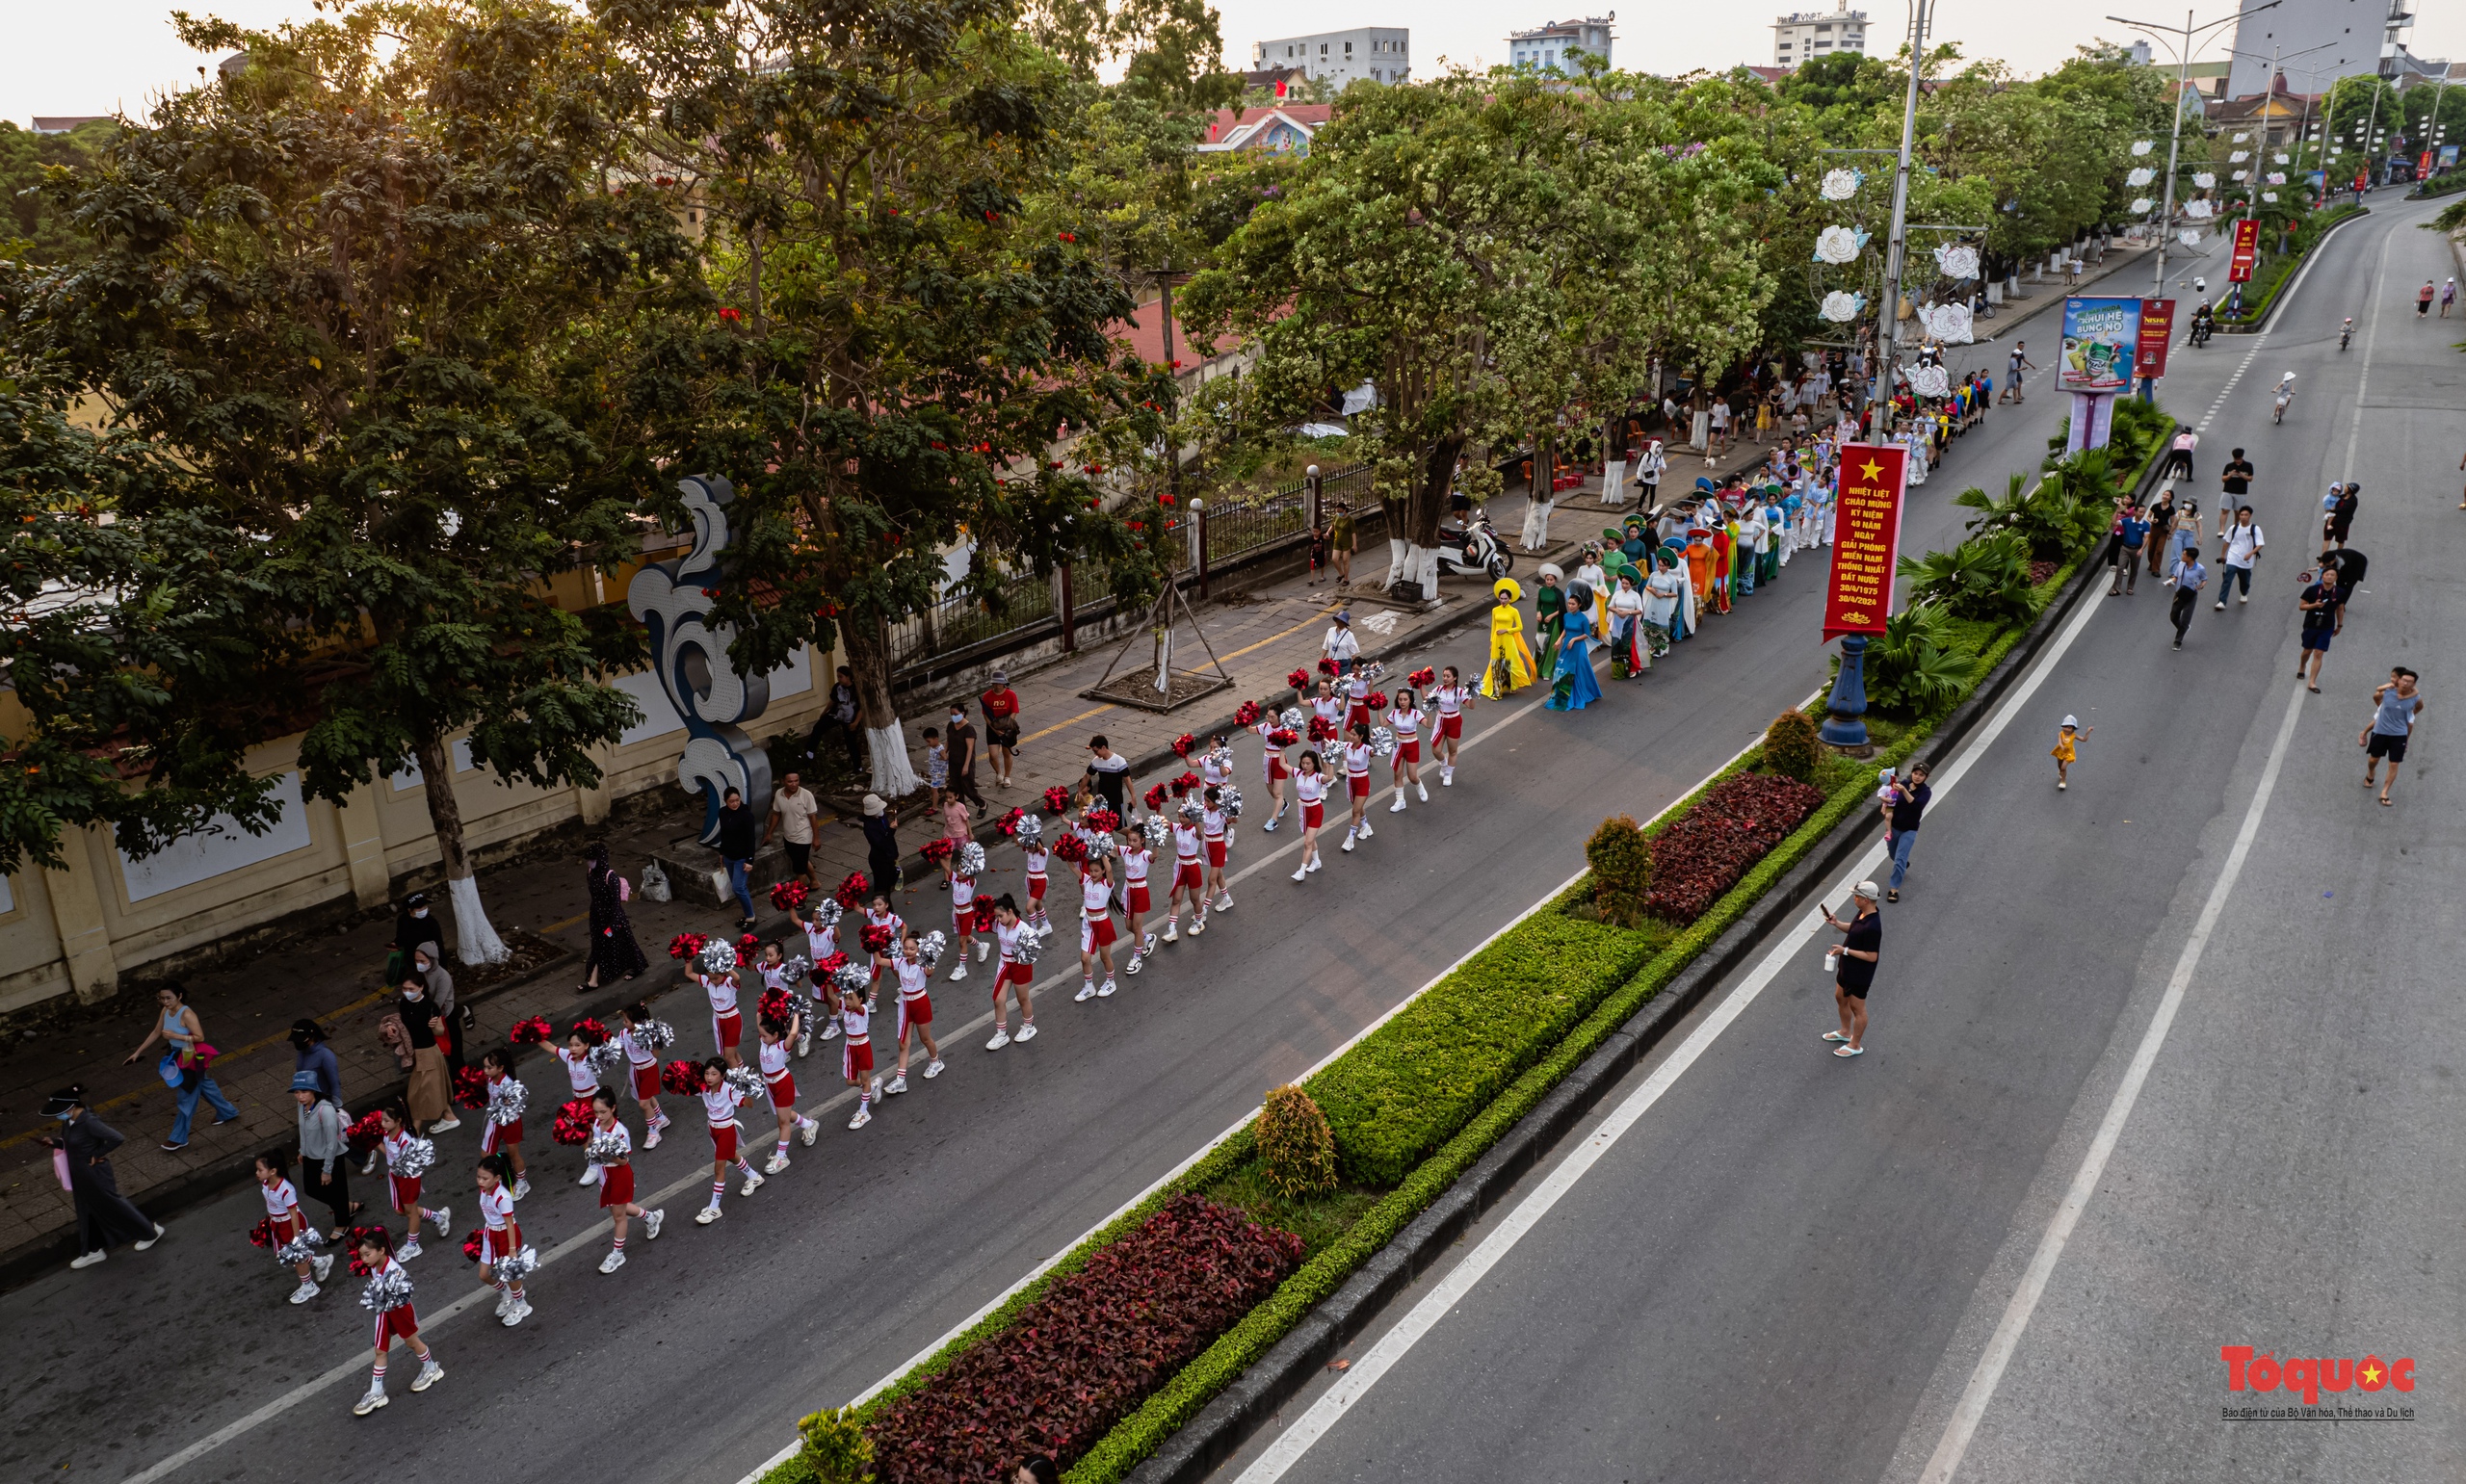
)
(1357, 698)
(727, 1023)
(916, 1009)
(1405, 719)
(1036, 856)
(1095, 928)
(963, 911)
(1271, 764)
(584, 1081)
(878, 914)
(719, 1101)
(1326, 706)
(1216, 834)
(1136, 860)
(821, 940)
(1451, 698)
(1015, 972)
(1216, 771)
(1311, 792)
(641, 1062)
(1357, 784)
(505, 1139)
(394, 1123)
(608, 1132)
(500, 1237)
(857, 1055)
(777, 1035)
(389, 1295)
(1190, 882)
(289, 1223)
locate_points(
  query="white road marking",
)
(1380, 622)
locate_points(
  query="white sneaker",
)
(1225, 903)
(1366, 830)
(1271, 825)
(830, 1030)
(959, 972)
(1172, 931)
(431, 1374)
(303, 1293)
(444, 1220)
(1147, 943)
(650, 1140)
(983, 949)
(1398, 807)
(651, 1224)
(589, 1175)
(778, 1162)
(450, 1124)
(410, 1249)
(520, 1312)
(752, 1183)
(1302, 871)
(1027, 1033)
(2243, 598)
(864, 1116)
(1314, 863)
(897, 1085)
(87, 1258)
(1105, 990)
(1198, 925)
(1424, 791)
(805, 1043)
(933, 1068)
(368, 1403)
(1348, 840)
(321, 1266)
(159, 1235)
(1001, 1039)
(1136, 959)
(706, 1215)
(612, 1261)
(504, 1302)
(522, 1188)
(1446, 777)
(1087, 992)
(808, 1130)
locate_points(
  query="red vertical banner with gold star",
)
(1866, 539)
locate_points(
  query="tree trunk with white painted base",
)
(886, 744)
(475, 940)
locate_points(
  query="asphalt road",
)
(695, 1359)
(2162, 1063)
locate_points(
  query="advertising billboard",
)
(2101, 343)
(2157, 322)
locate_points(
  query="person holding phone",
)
(1853, 968)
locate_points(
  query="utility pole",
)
(1897, 246)
(2191, 34)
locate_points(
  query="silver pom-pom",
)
(1191, 810)
(300, 1248)
(605, 1058)
(1159, 831)
(1371, 670)
(928, 949)
(853, 976)
(1029, 832)
(655, 1035)
(1229, 799)
(505, 1101)
(1222, 759)
(515, 1267)
(418, 1157)
(387, 1289)
(1029, 946)
(607, 1147)
(1382, 741)
(718, 956)
(794, 970)
(1099, 847)
(746, 1080)
(1293, 718)
(971, 859)
(827, 912)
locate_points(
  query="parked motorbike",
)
(1473, 550)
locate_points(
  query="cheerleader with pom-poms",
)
(1451, 698)
(1275, 734)
(644, 1039)
(1405, 719)
(1035, 852)
(582, 1078)
(723, 1092)
(501, 1127)
(1310, 793)
(882, 928)
(819, 917)
(1095, 927)
(611, 1151)
(1216, 809)
(967, 862)
(914, 965)
(1137, 858)
(389, 1298)
(713, 968)
(1018, 944)
(856, 1052)
(1190, 883)
(781, 1085)
(1327, 708)
(408, 1158)
(286, 1226)
(502, 1254)
(781, 979)
(1357, 785)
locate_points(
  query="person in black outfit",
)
(413, 925)
(962, 741)
(1861, 946)
(2342, 514)
(613, 952)
(105, 1217)
(740, 838)
(841, 713)
(880, 825)
(1907, 805)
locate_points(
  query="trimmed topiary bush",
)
(1791, 746)
(1296, 1152)
(1622, 867)
(836, 1449)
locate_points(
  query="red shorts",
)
(289, 1229)
(1409, 751)
(1095, 933)
(1009, 973)
(784, 1091)
(397, 1323)
(1036, 888)
(1313, 815)
(1452, 727)
(1137, 892)
(646, 1081)
(728, 1028)
(1359, 787)
(919, 1011)
(407, 1195)
(494, 1136)
(1216, 853)
(963, 918)
(616, 1184)
(856, 1061)
(723, 1144)
(1187, 873)
(1359, 715)
(1275, 767)
(500, 1244)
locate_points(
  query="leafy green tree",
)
(35, 171)
(346, 288)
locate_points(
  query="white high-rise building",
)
(2356, 38)
(1383, 54)
(1546, 45)
(1811, 33)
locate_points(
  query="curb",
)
(1225, 1423)
(2277, 295)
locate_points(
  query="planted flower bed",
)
(1706, 850)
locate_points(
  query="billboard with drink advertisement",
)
(2157, 322)
(2101, 343)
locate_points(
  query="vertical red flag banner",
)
(2157, 322)
(1866, 539)
(2247, 250)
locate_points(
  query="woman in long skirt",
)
(1573, 686)
(105, 1217)
(613, 952)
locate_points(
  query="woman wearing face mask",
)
(428, 1093)
(413, 926)
(323, 1162)
(178, 1028)
(84, 1146)
(428, 961)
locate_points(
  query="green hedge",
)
(2276, 270)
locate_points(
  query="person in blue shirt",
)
(2123, 548)
(2187, 577)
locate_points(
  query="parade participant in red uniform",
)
(388, 1296)
(914, 966)
(1311, 792)
(781, 1085)
(499, 1237)
(1216, 833)
(1452, 698)
(720, 1099)
(612, 1149)
(819, 917)
(727, 1025)
(1357, 784)
(584, 1080)
(1014, 938)
(878, 914)
(288, 1224)
(1095, 928)
(1404, 719)
(1326, 706)
(1272, 764)
(1137, 860)
(1216, 771)
(406, 1151)
(856, 1054)
(644, 1039)
(501, 1127)
(965, 862)
(1358, 698)
(1190, 882)
(1035, 854)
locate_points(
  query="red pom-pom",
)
(823, 971)
(1187, 783)
(749, 946)
(685, 945)
(983, 915)
(775, 1004)
(788, 895)
(937, 849)
(1070, 848)
(1010, 823)
(1422, 678)
(534, 1031)
(1102, 821)
(1057, 799)
(1299, 680)
(1183, 744)
(875, 938)
(1376, 700)
(1321, 730)
(1329, 667)
(591, 1032)
(573, 1123)
(1155, 795)
(365, 1132)
(471, 1246)
(680, 1079)
(1283, 737)
(262, 1234)
(851, 891)
(360, 1268)
(471, 1087)
(1247, 714)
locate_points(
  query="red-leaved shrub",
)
(1705, 852)
(1079, 1360)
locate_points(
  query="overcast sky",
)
(99, 56)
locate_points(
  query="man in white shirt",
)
(792, 811)
(2237, 551)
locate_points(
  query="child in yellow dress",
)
(2065, 748)
(1510, 662)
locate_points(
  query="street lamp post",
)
(2190, 33)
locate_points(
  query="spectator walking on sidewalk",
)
(613, 952)
(430, 965)
(312, 1056)
(880, 825)
(2323, 608)
(1000, 706)
(1343, 540)
(183, 1067)
(2124, 541)
(413, 925)
(793, 807)
(428, 1092)
(1853, 968)
(961, 741)
(2396, 706)
(738, 844)
(2237, 551)
(2186, 577)
(1903, 808)
(82, 1154)
(322, 1166)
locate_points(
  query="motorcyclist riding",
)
(2285, 395)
